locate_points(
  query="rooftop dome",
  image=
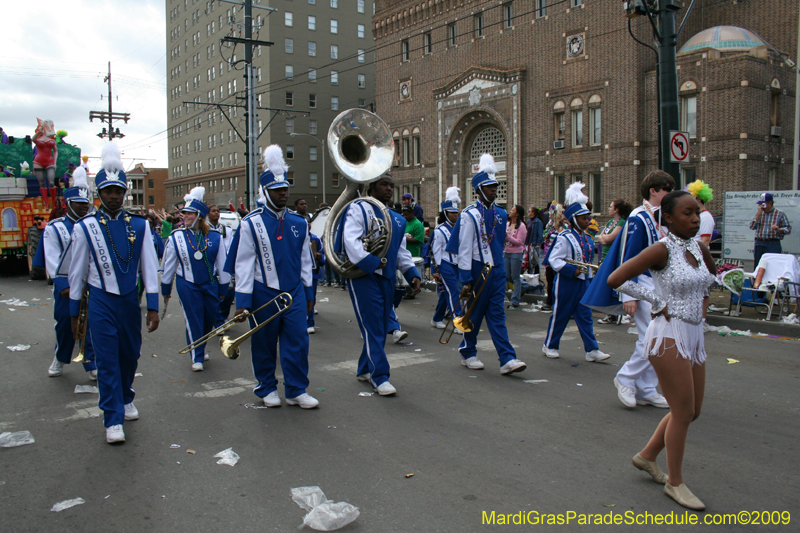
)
(725, 39)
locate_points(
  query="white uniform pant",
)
(638, 373)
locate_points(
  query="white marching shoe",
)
(272, 399)
(311, 330)
(93, 375)
(56, 368)
(398, 335)
(305, 401)
(596, 356)
(656, 400)
(472, 363)
(197, 367)
(131, 412)
(438, 325)
(364, 377)
(549, 352)
(515, 365)
(115, 434)
(385, 389)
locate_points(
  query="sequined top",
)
(680, 284)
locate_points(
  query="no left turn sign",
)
(678, 146)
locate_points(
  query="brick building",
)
(146, 187)
(561, 92)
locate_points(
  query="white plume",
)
(575, 194)
(487, 164)
(111, 158)
(79, 178)
(273, 160)
(451, 195)
(24, 165)
(196, 193)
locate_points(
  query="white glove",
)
(409, 236)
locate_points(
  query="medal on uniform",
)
(198, 255)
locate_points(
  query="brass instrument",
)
(583, 268)
(230, 347)
(361, 146)
(83, 320)
(462, 322)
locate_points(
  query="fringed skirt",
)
(663, 335)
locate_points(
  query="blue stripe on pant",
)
(450, 294)
(489, 305)
(225, 307)
(65, 342)
(310, 321)
(291, 330)
(200, 305)
(567, 304)
(117, 336)
(372, 301)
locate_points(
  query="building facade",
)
(321, 63)
(559, 93)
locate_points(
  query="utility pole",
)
(109, 116)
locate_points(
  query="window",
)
(334, 78)
(312, 179)
(312, 48)
(595, 191)
(312, 2)
(312, 75)
(771, 173)
(151, 200)
(689, 115)
(334, 26)
(576, 3)
(312, 153)
(560, 186)
(312, 22)
(334, 51)
(540, 9)
(360, 5)
(405, 54)
(362, 81)
(416, 146)
(451, 34)
(9, 219)
(773, 109)
(688, 175)
(595, 115)
(360, 31)
(289, 125)
(334, 4)
(362, 103)
(289, 72)
(288, 45)
(335, 179)
(290, 177)
(288, 19)
(559, 125)
(334, 103)
(312, 101)
(406, 151)
(289, 98)
(478, 25)
(427, 44)
(151, 184)
(508, 15)
(289, 151)
(577, 128)
(362, 56)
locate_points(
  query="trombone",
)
(462, 322)
(230, 347)
(583, 268)
(83, 320)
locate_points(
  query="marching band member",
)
(197, 255)
(318, 258)
(227, 239)
(636, 381)
(372, 295)
(572, 281)
(54, 256)
(478, 239)
(109, 247)
(271, 254)
(445, 264)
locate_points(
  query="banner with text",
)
(738, 240)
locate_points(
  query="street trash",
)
(725, 331)
(176, 446)
(365, 394)
(86, 389)
(716, 309)
(66, 504)
(580, 384)
(227, 457)
(15, 301)
(12, 440)
(536, 381)
(323, 514)
(533, 308)
(254, 406)
(191, 452)
(633, 330)
(19, 347)
(409, 475)
(732, 361)
(137, 375)
(791, 319)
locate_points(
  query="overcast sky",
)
(55, 56)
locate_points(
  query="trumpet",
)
(583, 268)
(230, 347)
(83, 320)
(462, 322)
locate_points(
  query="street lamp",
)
(321, 141)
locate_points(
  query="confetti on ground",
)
(66, 504)
(86, 389)
(365, 394)
(536, 381)
(19, 347)
(732, 361)
(191, 452)
(174, 446)
(409, 475)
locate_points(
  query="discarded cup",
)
(12, 440)
(19, 347)
(66, 504)
(227, 457)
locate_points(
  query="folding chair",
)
(781, 277)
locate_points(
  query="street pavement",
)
(452, 445)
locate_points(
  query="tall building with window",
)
(559, 92)
(321, 63)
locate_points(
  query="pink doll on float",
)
(44, 163)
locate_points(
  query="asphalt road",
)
(475, 441)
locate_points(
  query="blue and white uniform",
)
(316, 269)
(225, 303)
(54, 254)
(372, 295)
(201, 282)
(568, 289)
(108, 253)
(446, 265)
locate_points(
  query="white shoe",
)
(626, 320)
(438, 325)
(515, 365)
(398, 335)
(596, 355)
(549, 352)
(206, 357)
(472, 362)
(272, 399)
(458, 331)
(656, 400)
(131, 412)
(316, 312)
(385, 389)
(197, 367)
(56, 369)
(93, 375)
(306, 401)
(115, 434)
(311, 330)
(625, 394)
(364, 377)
